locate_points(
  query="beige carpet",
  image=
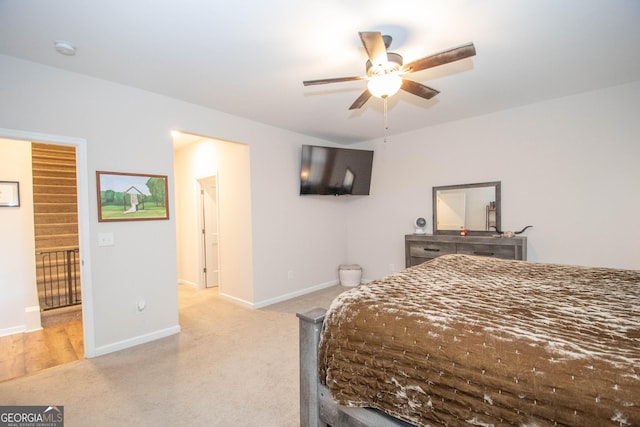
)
(230, 366)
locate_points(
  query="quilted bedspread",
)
(464, 340)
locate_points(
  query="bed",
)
(467, 340)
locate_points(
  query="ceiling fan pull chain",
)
(386, 119)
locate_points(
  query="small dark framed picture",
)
(9, 194)
(131, 196)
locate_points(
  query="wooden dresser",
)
(419, 248)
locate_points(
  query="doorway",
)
(80, 145)
(55, 219)
(210, 255)
(84, 337)
(200, 158)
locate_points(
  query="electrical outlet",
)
(392, 268)
(141, 306)
(290, 274)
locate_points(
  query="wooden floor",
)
(29, 352)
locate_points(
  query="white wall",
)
(187, 218)
(235, 224)
(128, 130)
(302, 237)
(20, 307)
(569, 167)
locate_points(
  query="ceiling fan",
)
(385, 70)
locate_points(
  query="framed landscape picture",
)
(131, 196)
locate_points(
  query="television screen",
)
(335, 171)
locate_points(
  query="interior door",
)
(210, 231)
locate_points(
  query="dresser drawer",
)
(421, 248)
(495, 251)
(431, 249)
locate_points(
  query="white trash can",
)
(350, 274)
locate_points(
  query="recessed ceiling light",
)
(65, 47)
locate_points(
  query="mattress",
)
(464, 340)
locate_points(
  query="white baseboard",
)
(188, 283)
(285, 297)
(236, 300)
(132, 342)
(281, 298)
(32, 318)
(32, 322)
(290, 295)
(12, 330)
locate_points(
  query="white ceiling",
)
(249, 57)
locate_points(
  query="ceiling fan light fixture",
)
(385, 85)
(386, 70)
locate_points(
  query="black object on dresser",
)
(419, 248)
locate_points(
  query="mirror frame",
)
(495, 184)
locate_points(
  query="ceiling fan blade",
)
(418, 89)
(334, 80)
(364, 97)
(374, 45)
(450, 55)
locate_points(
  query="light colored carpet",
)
(230, 366)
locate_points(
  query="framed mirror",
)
(473, 207)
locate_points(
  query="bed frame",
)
(317, 407)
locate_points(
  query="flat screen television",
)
(335, 171)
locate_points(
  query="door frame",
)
(82, 178)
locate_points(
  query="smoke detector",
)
(65, 48)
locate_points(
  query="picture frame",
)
(9, 194)
(132, 196)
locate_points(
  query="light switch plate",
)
(105, 239)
